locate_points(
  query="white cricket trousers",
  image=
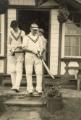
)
(30, 61)
(16, 69)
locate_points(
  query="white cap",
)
(34, 26)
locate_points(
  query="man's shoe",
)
(36, 93)
(12, 88)
(30, 94)
(16, 90)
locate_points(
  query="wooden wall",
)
(54, 41)
(11, 16)
(22, 2)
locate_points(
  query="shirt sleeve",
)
(25, 42)
(23, 34)
(9, 41)
(43, 44)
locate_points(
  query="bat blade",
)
(47, 69)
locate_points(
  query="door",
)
(41, 17)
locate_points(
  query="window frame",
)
(63, 43)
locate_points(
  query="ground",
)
(71, 109)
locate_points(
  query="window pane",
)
(67, 51)
(74, 41)
(67, 41)
(71, 51)
(74, 51)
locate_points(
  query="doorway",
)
(41, 17)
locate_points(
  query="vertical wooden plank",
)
(54, 44)
(59, 51)
(2, 33)
(11, 16)
(2, 43)
(5, 44)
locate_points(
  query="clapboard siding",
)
(11, 16)
(2, 43)
(1, 66)
(54, 42)
(22, 2)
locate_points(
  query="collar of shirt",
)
(15, 33)
(34, 37)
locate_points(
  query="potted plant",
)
(53, 99)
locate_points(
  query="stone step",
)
(17, 101)
(70, 111)
(25, 102)
(21, 99)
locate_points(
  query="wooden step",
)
(6, 80)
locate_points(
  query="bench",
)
(77, 76)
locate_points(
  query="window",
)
(72, 41)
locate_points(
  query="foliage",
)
(52, 91)
(63, 14)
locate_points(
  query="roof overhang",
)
(73, 4)
(48, 4)
(76, 4)
(78, 1)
